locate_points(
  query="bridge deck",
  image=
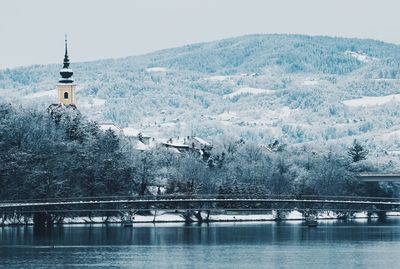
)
(379, 177)
(199, 203)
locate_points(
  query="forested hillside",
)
(44, 157)
(297, 89)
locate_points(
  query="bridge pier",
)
(381, 215)
(187, 215)
(41, 219)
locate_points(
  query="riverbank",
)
(165, 217)
(168, 217)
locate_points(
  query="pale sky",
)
(32, 32)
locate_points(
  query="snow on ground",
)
(327, 215)
(285, 112)
(239, 217)
(68, 220)
(174, 217)
(372, 100)
(360, 56)
(393, 214)
(361, 215)
(231, 77)
(385, 79)
(7, 92)
(168, 124)
(156, 70)
(392, 134)
(294, 215)
(310, 82)
(51, 93)
(264, 118)
(227, 116)
(91, 102)
(219, 78)
(162, 216)
(247, 90)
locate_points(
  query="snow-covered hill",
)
(299, 89)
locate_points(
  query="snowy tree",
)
(358, 152)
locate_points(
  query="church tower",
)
(66, 87)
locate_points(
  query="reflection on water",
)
(333, 244)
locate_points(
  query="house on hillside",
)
(190, 143)
(111, 126)
(143, 142)
(139, 140)
(275, 146)
(198, 143)
(177, 144)
(133, 134)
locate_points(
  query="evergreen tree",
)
(357, 152)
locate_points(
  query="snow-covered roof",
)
(141, 146)
(201, 141)
(175, 144)
(129, 131)
(265, 147)
(110, 126)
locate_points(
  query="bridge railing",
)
(199, 202)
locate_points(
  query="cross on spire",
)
(66, 51)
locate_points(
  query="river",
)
(333, 244)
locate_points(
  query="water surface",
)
(333, 244)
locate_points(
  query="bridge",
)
(124, 204)
(379, 177)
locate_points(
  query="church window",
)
(65, 95)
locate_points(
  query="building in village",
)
(144, 142)
(141, 141)
(111, 126)
(189, 143)
(66, 99)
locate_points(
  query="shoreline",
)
(213, 218)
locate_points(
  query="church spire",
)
(66, 72)
(66, 60)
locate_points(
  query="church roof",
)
(66, 72)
